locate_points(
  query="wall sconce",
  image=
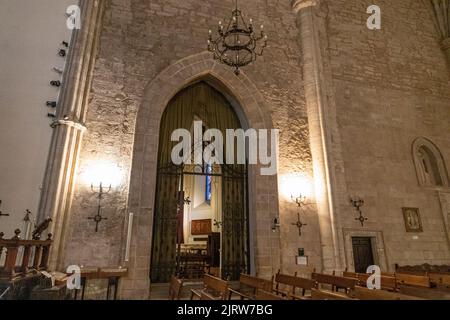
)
(1, 212)
(51, 104)
(357, 203)
(100, 191)
(62, 53)
(276, 224)
(55, 83)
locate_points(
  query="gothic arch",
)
(250, 106)
(429, 164)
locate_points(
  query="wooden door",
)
(362, 253)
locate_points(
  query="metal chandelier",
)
(237, 45)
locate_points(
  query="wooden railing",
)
(22, 256)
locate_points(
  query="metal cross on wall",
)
(357, 204)
(100, 193)
(299, 224)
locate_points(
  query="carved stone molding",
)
(441, 10)
(56, 196)
(442, 13)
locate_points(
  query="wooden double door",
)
(362, 253)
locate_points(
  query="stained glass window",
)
(208, 189)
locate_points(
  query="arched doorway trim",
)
(249, 104)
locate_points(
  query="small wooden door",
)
(362, 253)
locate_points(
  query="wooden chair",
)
(361, 293)
(267, 296)
(336, 282)
(249, 287)
(317, 294)
(206, 296)
(293, 283)
(215, 287)
(175, 288)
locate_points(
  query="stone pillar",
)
(318, 93)
(69, 128)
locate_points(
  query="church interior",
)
(225, 150)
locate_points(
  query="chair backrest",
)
(215, 286)
(335, 281)
(175, 287)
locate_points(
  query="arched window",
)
(429, 163)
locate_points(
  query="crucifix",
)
(357, 204)
(100, 193)
(301, 202)
(299, 224)
(1, 212)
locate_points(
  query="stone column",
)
(442, 15)
(322, 123)
(69, 128)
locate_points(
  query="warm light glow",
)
(104, 172)
(294, 185)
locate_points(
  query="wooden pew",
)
(413, 280)
(215, 287)
(249, 287)
(175, 287)
(361, 293)
(335, 281)
(267, 296)
(317, 294)
(440, 280)
(292, 283)
(387, 283)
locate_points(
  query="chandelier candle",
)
(238, 45)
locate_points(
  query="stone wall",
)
(139, 40)
(391, 87)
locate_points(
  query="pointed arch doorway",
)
(195, 204)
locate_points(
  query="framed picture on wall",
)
(413, 223)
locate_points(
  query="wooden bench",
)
(249, 287)
(361, 293)
(215, 287)
(292, 283)
(267, 296)
(413, 280)
(440, 279)
(317, 294)
(175, 287)
(336, 282)
(387, 283)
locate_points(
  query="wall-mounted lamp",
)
(100, 191)
(55, 83)
(357, 203)
(62, 53)
(102, 177)
(1, 213)
(276, 224)
(51, 104)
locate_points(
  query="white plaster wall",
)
(30, 35)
